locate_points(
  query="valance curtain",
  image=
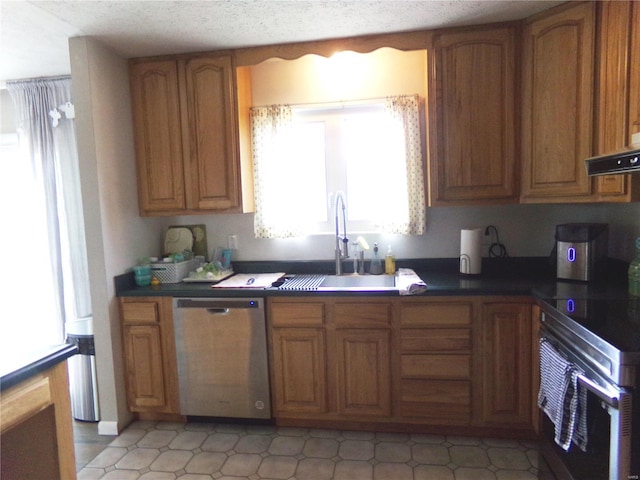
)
(45, 120)
(275, 218)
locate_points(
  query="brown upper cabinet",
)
(577, 89)
(473, 83)
(558, 92)
(186, 135)
(618, 99)
(634, 76)
(513, 111)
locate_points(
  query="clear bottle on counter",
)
(390, 262)
(634, 273)
(376, 263)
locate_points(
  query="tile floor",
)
(204, 451)
(87, 443)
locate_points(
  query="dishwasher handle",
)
(218, 311)
(218, 306)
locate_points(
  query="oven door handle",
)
(600, 392)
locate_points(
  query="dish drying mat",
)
(302, 282)
(250, 280)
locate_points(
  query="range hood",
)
(623, 162)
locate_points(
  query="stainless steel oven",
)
(609, 374)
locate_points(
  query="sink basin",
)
(326, 283)
(358, 282)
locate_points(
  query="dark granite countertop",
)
(500, 276)
(17, 367)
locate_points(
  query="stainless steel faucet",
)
(342, 251)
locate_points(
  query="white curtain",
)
(407, 213)
(400, 210)
(275, 215)
(46, 131)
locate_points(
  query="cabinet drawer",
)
(443, 400)
(140, 312)
(362, 314)
(297, 314)
(435, 340)
(435, 366)
(435, 314)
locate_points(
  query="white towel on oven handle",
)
(562, 397)
(580, 437)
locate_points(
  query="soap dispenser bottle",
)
(390, 262)
(376, 263)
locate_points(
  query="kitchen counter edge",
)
(23, 365)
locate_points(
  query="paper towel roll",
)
(471, 251)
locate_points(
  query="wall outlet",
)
(232, 242)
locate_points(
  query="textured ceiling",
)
(34, 34)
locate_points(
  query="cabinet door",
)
(558, 86)
(475, 81)
(158, 137)
(615, 95)
(506, 364)
(143, 360)
(299, 370)
(212, 173)
(363, 372)
(634, 77)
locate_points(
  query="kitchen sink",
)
(340, 282)
(358, 282)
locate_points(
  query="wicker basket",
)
(172, 272)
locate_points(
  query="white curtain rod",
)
(340, 103)
(333, 104)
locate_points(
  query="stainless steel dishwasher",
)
(221, 347)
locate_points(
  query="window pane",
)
(373, 151)
(28, 260)
(305, 171)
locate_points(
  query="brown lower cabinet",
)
(452, 363)
(506, 364)
(363, 373)
(299, 355)
(463, 363)
(331, 358)
(149, 355)
(36, 429)
(436, 371)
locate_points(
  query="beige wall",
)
(347, 76)
(526, 230)
(116, 235)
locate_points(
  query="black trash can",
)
(83, 387)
